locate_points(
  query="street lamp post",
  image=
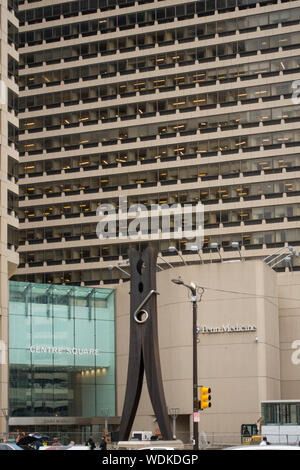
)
(111, 267)
(173, 249)
(174, 413)
(5, 413)
(192, 288)
(105, 413)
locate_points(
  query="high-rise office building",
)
(163, 102)
(8, 180)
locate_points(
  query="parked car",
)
(9, 446)
(29, 441)
(259, 447)
(75, 447)
(68, 447)
(157, 448)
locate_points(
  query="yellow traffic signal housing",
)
(205, 398)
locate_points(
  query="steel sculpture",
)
(144, 347)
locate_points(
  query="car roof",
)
(68, 447)
(157, 448)
(267, 447)
(78, 448)
(13, 445)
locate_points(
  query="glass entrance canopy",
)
(61, 350)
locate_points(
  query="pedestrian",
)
(20, 435)
(91, 443)
(264, 442)
(39, 443)
(56, 442)
(103, 445)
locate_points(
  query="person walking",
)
(39, 443)
(103, 445)
(56, 442)
(91, 443)
(264, 442)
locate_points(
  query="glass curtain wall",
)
(62, 350)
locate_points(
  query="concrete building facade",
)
(160, 102)
(8, 181)
(248, 345)
(248, 348)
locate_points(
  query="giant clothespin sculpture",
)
(144, 348)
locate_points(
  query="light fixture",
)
(165, 261)
(111, 267)
(178, 281)
(173, 249)
(215, 246)
(237, 246)
(288, 262)
(282, 254)
(195, 249)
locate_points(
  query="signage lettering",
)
(228, 329)
(296, 354)
(61, 350)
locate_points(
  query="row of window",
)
(170, 106)
(280, 413)
(213, 194)
(71, 9)
(93, 94)
(129, 181)
(74, 255)
(73, 165)
(147, 18)
(205, 148)
(95, 71)
(113, 252)
(150, 133)
(212, 218)
(167, 83)
(93, 254)
(111, 47)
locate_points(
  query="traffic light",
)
(205, 398)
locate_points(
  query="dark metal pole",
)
(195, 369)
(7, 425)
(195, 409)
